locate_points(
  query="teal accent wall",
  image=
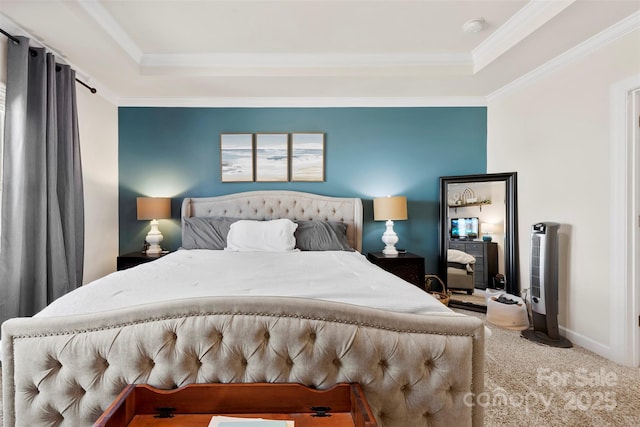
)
(369, 152)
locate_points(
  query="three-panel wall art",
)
(272, 157)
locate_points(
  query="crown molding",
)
(526, 21)
(311, 102)
(598, 41)
(102, 90)
(302, 60)
(529, 18)
(257, 61)
(103, 18)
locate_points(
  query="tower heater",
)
(544, 286)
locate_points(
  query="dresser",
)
(486, 255)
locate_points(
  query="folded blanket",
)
(462, 258)
(454, 255)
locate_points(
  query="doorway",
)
(624, 346)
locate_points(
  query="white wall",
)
(555, 133)
(98, 122)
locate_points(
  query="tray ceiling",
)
(140, 52)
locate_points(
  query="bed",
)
(203, 316)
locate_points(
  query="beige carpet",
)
(528, 384)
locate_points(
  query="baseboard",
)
(588, 344)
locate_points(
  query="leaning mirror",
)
(478, 237)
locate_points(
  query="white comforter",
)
(335, 276)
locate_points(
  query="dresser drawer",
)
(457, 246)
(475, 250)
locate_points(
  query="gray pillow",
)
(322, 236)
(206, 232)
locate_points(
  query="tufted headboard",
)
(294, 205)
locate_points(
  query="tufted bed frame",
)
(415, 369)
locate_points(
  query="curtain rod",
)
(16, 40)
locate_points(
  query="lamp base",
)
(154, 238)
(153, 250)
(390, 238)
(390, 252)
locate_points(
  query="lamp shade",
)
(488, 227)
(154, 207)
(492, 227)
(390, 208)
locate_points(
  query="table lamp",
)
(487, 231)
(154, 208)
(389, 209)
(490, 229)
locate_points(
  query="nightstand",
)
(136, 258)
(407, 266)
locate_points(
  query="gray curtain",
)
(42, 230)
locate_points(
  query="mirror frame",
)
(511, 258)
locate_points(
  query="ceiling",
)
(210, 52)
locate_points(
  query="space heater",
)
(544, 286)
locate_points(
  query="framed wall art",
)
(307, 157)
(236, 157)
(272, 157)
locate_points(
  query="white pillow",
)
(268, 236)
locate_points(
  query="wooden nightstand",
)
(407, 266)
(136, 258)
